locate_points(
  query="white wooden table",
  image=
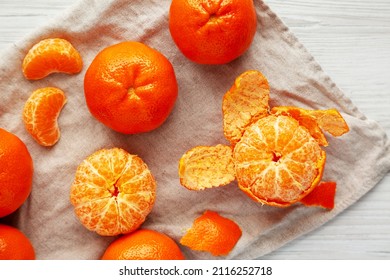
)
(351, 41)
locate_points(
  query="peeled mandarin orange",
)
(130, 87)
(50, 56)
(113, 192)
(143, 244)
(14, 245)
(16, 173)
(277, 161)
(212, 31)
(41, 112)
(213, 233)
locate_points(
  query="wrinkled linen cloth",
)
(356, 160)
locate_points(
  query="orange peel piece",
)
(204, 167)
(277, 161)
(316, 121)
(323, 196)
(40, 114)
(213, 233)
(49, 56)
(245, 102)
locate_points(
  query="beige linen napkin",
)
(356, 161)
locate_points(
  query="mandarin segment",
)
(277, 161)
(245, 102)
(40, 114)
(213, 233)
(50, 56)
(205, 167)
(113, 192)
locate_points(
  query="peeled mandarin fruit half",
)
(143, 244)
(41, 112)
(204, 167)
(213, 233)
(14, 245)
(130, 87)
(113, 192)
(16, 173)
(50, 56)
(277, 161)
(212, 31)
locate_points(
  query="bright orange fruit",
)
(14, 245)
(16, 173)
(213, 233)
(41, 112)
(143, 244)
(113, 192)
(50, 56)
(130, 87)
(212, 31)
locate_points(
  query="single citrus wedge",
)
(213, 233)
(50, 56)
(277, 161)
(113, 192)
(316, 121)
(244, 103)
(323, 196)
(41, 112)
(143, 244)
(15, 245)
(205, 167)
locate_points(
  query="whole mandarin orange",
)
(130, 87)
(16, 173)
(212, 31)
(14, 245)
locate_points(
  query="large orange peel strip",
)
(41, 112)
(277, 161)
(245, 102)
(213, 233)
(204, 167)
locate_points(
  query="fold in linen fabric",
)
(356, 161)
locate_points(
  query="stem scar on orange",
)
(14, 245)
(50, 56)
(16, 173)
(130, 87)
(113, 192)
(212, 31)
(143, 244)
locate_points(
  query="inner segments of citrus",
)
(50, 56)
(130, 87)
(40, 114)
(113, 192)
(277, 161)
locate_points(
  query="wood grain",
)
(351, 41)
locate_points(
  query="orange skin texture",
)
(130, 88)
(14, 245)
(212, 31)
(323, 196)
(143, 244)
(213, 233)
(16, 173)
